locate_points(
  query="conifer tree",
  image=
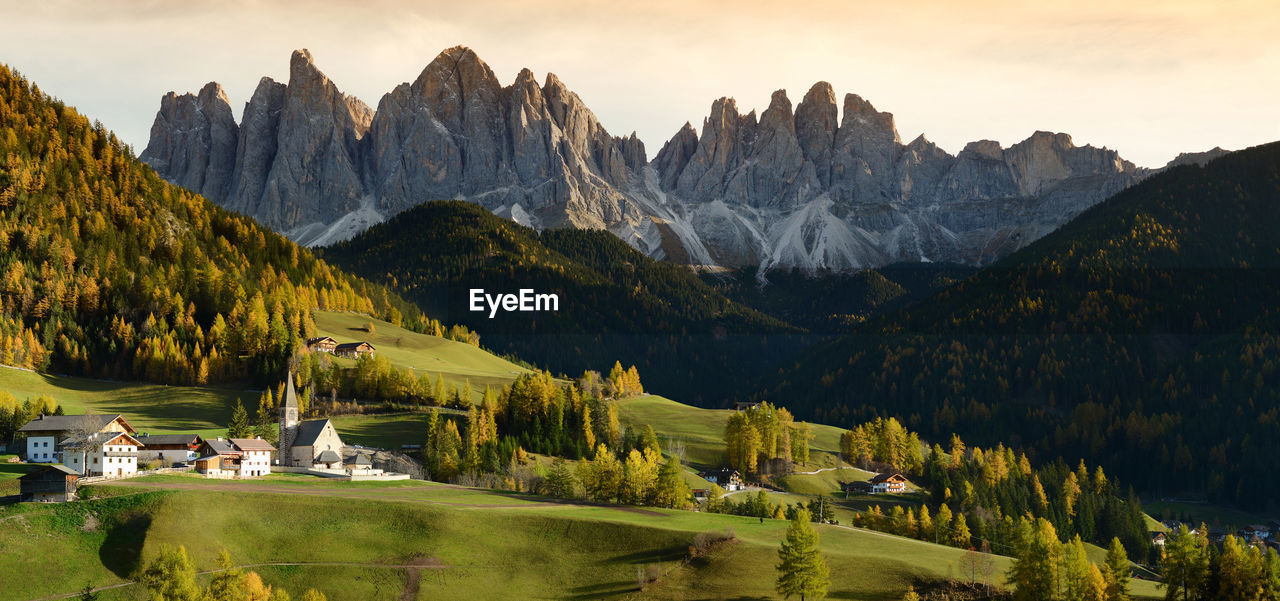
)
(1185, 564)
(802, 569)
(1116, 571)
(239, 426)
(1036, 569)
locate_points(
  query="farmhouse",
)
(49, 484)
(353, 350)
(46, 433)
(234, 458)
(1158, 539)
(891, 483)
(169, 448)
(101, 454)
(728, 479)
(323, 344)
(312, 443)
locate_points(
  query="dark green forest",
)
(106, 270)
(1145, 328)
(689, 339)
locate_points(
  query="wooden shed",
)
(49, 484)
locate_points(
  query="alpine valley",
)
(819, 186)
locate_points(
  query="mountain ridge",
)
(818, 188)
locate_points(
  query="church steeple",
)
(288, 421)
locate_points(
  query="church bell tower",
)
(288, 421)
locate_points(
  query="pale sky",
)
(1149, 78)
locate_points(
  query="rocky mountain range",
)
(817, 187)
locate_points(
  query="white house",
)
(727, 479)
(45, 434)
(255, 458)
(891, 483)
(234, 458)
(113, 454)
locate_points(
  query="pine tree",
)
(802, 570)
(960, 536)
(1185, 564)
(1240, 572)
(1116, 571)
(239, 426)
(1075, 571)
(1037, 564)
(671, 490)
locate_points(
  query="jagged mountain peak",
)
(820, 184)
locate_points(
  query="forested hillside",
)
(107, 270)
(615, 303)
(1146, 328)
(833, 303)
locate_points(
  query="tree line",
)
(975, 492)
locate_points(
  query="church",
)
(313, 443)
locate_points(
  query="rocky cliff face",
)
(815, 186)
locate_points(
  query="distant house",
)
(700, 494)
(727, 479)
(744, 405)
(323, 344)
(857, 488)
(353, 350)
(45, 434)
(49, 484)
(889, 483)
(1158, 539)
(169, 448)
(234, 458)
(112, 454)
(1256, 530)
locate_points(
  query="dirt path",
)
(832, 469)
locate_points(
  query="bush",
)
(705, 542)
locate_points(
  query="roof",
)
(886, 477)
(97, 439)
(311, 341)
(66, 423)
(309, 431)
(351, 346)
(252, 444)
(290, 395)
(329, 457)
(56, 467)
(155, 440)
(726, 473)
(361, 459)
(221, 447)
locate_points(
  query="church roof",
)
(329, 457)
(290, 396)
(309, 431)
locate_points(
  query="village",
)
(82, 449)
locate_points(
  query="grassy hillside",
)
(476, 544)
(701, 431)
(490, 545)
(421, 352)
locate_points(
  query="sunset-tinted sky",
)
(1148, 78)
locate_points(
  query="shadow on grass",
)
(672, 553)
(121, 552)
(603, 590)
